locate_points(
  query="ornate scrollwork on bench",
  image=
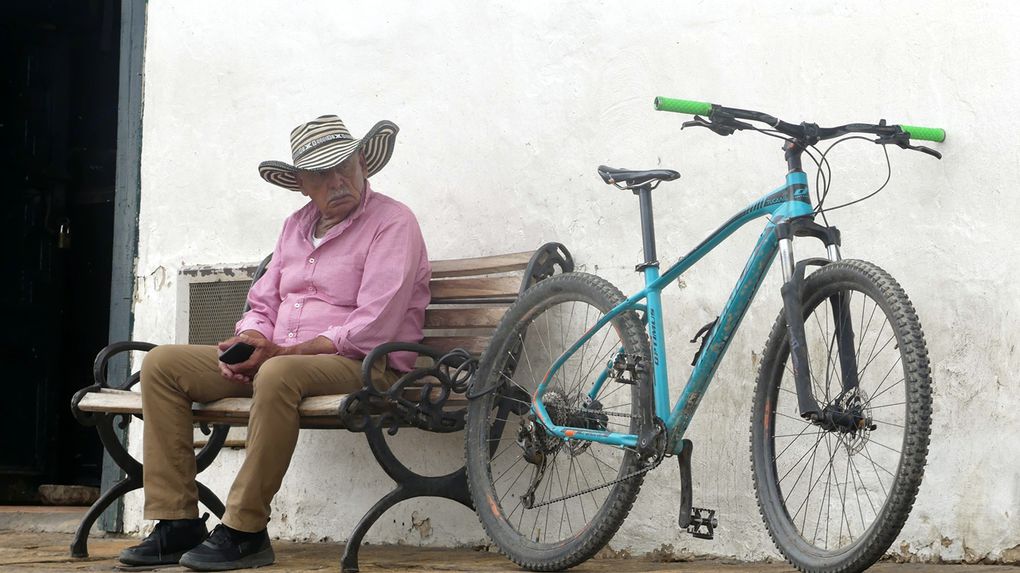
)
(419, 398)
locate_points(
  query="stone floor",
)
(38, 552)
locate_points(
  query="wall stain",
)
(666, 553)
(423, 525)
(160, 278)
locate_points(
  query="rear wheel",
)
(537, 496)
(835, 500)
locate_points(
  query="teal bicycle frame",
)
(792, 200)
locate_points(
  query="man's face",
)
(336, 192)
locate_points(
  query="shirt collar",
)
(313, 215)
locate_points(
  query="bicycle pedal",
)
(702, 523)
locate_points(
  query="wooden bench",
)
(469, 297)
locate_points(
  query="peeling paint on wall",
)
(422, 525)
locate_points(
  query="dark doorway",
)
(58, 134)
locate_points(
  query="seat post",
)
(644, 194)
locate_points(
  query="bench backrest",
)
(470, 295)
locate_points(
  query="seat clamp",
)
(644, 266)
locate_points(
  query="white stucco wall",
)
(506, 108)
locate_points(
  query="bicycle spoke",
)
(857, 492)
(877, 465)
(811, 475)
(812, 451)
(508, 469)
(780, 454)
(828, 463)
(888, 405)
(860, 343)
(842, 500)
(801, 420)
(886, 377)
(895, 384)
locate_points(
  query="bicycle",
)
(556, 453)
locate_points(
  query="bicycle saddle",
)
(628, 178)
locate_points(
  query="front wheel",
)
(834, 500)
(547, 503)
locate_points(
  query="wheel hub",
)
(850, 417)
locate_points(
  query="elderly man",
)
(349, 272)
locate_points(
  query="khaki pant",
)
(174, 376)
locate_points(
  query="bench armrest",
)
(452, 369)
(99, 369)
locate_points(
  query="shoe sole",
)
(170, 559)
(126, 567)
(260, 559)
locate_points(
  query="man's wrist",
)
(317, 345)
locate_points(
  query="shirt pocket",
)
(338, 277)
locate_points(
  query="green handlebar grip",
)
(683, 106)
(925, 133)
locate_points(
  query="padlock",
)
(64, 235)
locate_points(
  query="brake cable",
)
(822, 164)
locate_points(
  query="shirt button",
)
(290, 335)
(311, 289)
(297, 305)
(311, 260)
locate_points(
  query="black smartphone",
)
(237, 353)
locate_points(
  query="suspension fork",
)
(845, 340)
(792, 292)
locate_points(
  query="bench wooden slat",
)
(473, 344)
(317, 412)
(127, 402)
(112, 401)
(475, 288)
(481, 265)
(452, 318)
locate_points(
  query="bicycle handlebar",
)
(683, 106)
(803, 131)
(925, 133)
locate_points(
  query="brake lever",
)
(699, 121)
(724, 126)
(902, 140)
(924, 149)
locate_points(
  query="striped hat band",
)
(324, 143)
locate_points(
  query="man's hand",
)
(265, 349)
(243, 372)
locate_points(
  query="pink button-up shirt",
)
(366, 284)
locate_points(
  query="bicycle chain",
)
(658, 460)
(603, 486)
(605, 412)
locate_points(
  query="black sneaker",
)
(228, 549)
(170, 539)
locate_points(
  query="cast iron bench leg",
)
(79, 547)
(452, 486)
(133, 479)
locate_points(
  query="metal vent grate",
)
(214, 308)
